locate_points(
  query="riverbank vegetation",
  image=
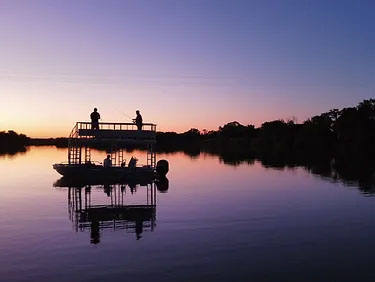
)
(12, 142)
(350, 131)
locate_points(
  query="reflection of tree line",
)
(357, 171)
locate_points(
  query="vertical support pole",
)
(151, 156)
(87, 153)
(90, 197)
(147, 192)
(113, 154)
(75, 199)
(70, 203)
(80, 154)
(120, 156)
(69, 150)
(154, 187)
(86, 197)
(110, 192)
(115, 192)
(80, 199)
(123, 191)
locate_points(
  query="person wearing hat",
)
(138, 120)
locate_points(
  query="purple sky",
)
(182, 63)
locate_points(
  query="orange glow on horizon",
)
(50, 131)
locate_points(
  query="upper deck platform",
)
(115, 131)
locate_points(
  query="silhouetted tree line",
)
(346, 134)
(11, 142)
(60, 142)
(350, 131)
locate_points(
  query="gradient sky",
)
(182, 63)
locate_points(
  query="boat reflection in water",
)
(96, 207)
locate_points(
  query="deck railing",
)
(115, 126)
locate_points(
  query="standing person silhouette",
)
(138, 120)
(95, 116)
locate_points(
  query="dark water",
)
(216, 222)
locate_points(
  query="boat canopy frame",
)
(115, 136)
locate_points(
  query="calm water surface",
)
(215, 223)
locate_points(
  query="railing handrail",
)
(74, 131)
(112, 126)
(117, 126)
(116, 123)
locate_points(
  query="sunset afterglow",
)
(187, 64)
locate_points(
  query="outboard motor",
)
(162, 168)
(162, 184)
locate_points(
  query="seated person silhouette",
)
(95, 116)
(107, 161)
(138, 120)
(132, 162)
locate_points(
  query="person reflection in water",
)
(138, 228)
(95, 116)
(138, 120)
(107, 189)
(95, 232)
(107, 161)
(132, 187)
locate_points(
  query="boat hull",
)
(80, 171)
